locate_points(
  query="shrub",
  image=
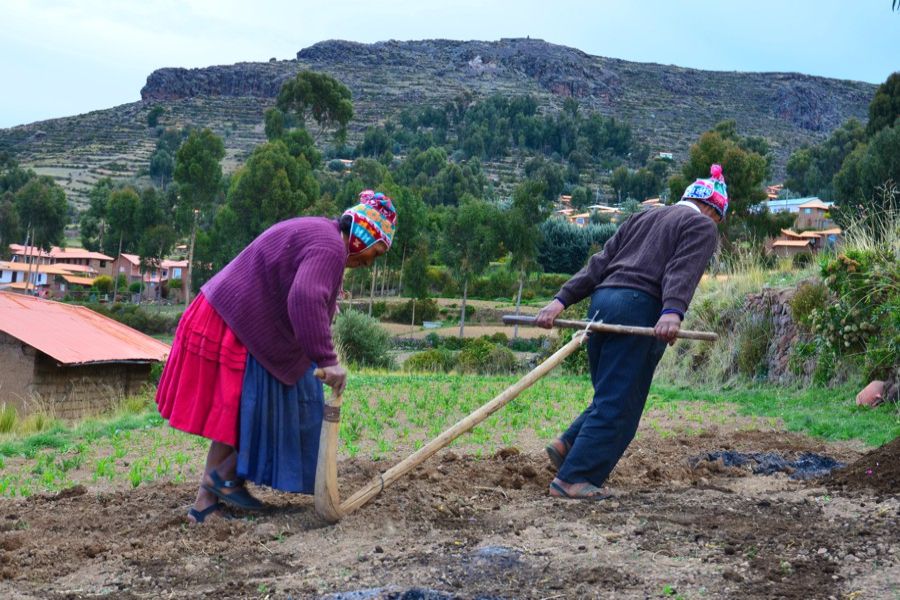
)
(136, 317)
(800, 261)
(482, 357)
(434, 360)
(498, 338)
(135, 288)
(753, 347)
(103, 284)
(810, 296)
(864, 320)
(527, 345)
(379, 309)
(426, 310)
(175, 284)
(8, 418)
(361, 341)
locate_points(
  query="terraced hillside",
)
(667, 106)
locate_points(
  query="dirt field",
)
(466, 528)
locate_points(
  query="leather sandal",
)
(200, 515)
(238, 496)
(588, 492)
(556, 457)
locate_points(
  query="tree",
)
(744, 170)
(272, 186)
(320, 96)
(274, 119)
(470, 241)
(811, 169)
(162, 165)
(153, 116)
(198, 172)
(122, 214)
(885, 106)
(198, 169)
(619, 181)
(565, 247)
(93, 223)
(9, 221)
(581, 197)
(415, 274)
(156, 242)
(41, 206)
(522, 236)
(868, 168)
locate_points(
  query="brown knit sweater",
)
(661, 251)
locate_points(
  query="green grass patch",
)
(829, 413)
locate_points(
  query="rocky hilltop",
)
(667, 106)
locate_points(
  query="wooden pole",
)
(327, 498)
(706, 336)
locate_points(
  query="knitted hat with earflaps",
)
(374, 220)
(712, 191)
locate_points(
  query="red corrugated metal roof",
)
(74, 334)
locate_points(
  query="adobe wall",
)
(76, 391)
(16, 371)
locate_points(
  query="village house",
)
(813, 215)
(49, 281)
(791, 204)
(69, 359)
(128, 265)
(96, 261)
(791, 243)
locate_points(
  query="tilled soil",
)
(466, 528)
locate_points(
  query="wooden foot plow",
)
(327, 495)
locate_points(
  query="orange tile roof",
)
(796, 243)
(811, 234)
(814, 203)
(75, 280)
(59, 253)
(21, 250)
(168, 264)
(132, 258)
(832, 231)
(74, 335)
(790, 233)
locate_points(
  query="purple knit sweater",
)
(279, 295)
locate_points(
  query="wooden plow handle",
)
(327, 499)
(706, 336)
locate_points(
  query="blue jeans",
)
(622, 368)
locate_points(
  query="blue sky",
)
(65, 57)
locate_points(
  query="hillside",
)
(667, 106)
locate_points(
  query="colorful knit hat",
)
(374, 220)
(712, 191)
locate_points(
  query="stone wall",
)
(16, 371)
(75, 391)
(774, 304)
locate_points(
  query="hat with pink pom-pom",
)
(712, 191)
(374, 220)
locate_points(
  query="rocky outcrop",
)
(815, 104)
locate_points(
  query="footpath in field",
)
(681, 525)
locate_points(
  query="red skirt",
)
(200, 388)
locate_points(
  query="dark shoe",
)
(557, 451)
(200, 515)
(239, 496)
(588, 492)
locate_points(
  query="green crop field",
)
(386, 415)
